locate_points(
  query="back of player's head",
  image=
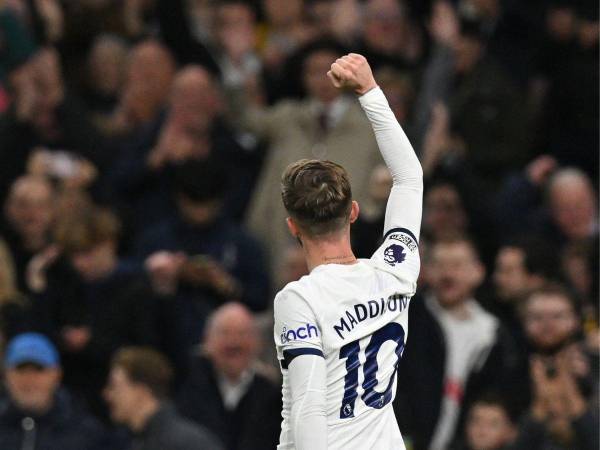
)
(317, 195)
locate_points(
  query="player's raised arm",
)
(405, 204)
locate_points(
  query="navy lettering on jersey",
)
(350, 352)
(372, 309)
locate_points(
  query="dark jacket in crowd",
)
(65, 427)
(254, 424)
(168, 430)
(238, 252)
(118, 310)
(422, 369)
(73, 132)
(534, 435)
(144, 196)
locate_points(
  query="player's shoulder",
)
(399, 245)
(402, 236)
(293, 292)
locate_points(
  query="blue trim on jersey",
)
(401, 230)
(289, 355)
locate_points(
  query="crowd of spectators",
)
(142, 235)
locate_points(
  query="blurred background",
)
(142, 235)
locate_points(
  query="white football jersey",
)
(356, 317)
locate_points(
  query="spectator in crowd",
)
(324, 125)
(565, 85)
(37, 413)
(366, 231)
(105, 75)
(192, 130)
(29, 217)
(489, 426)
(201, 257)
(99, 305)
(577, 266)
(455, 352)
(572, 203)
(561, 417)
(399, 88)
(568, 214)
(191, 41)
(445, 214)
(19, 46)
(294, 266)
(236, 38)
(552, 322)
(509, 30)
(487, 124)
(45, 113)
(521, 266)
(137, 394)
(226, 391)
(389, 35)
(284, 31)
(147, 83)
(15, 308)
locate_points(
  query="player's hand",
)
(352, 72)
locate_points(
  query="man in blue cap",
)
(36, 413)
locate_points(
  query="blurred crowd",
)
(142, 235)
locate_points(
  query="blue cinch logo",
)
(305, 332)
(394, 254)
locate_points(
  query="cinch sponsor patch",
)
(307, 331)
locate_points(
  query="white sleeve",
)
(307, 376)
(296, 329)
(405, 204)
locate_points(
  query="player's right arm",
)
(404, 207)
(399, 251)
(299, 347)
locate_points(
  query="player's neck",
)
(328, 251)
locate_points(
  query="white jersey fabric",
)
(340, 331)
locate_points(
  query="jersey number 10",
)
(391, 332)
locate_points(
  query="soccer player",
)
(340, 331)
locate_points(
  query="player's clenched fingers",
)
(334, 80)
(340, 72)
(345, 63)
(357, 57)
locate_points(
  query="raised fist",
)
(352, 72)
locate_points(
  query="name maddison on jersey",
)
(370, 310)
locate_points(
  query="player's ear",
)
(292, 227)
(354, 211)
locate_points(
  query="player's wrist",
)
(360, 91)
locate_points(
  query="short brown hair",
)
(554, 289)
(456, 239)
(145, 366)
(83, 230)
(317, 195)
